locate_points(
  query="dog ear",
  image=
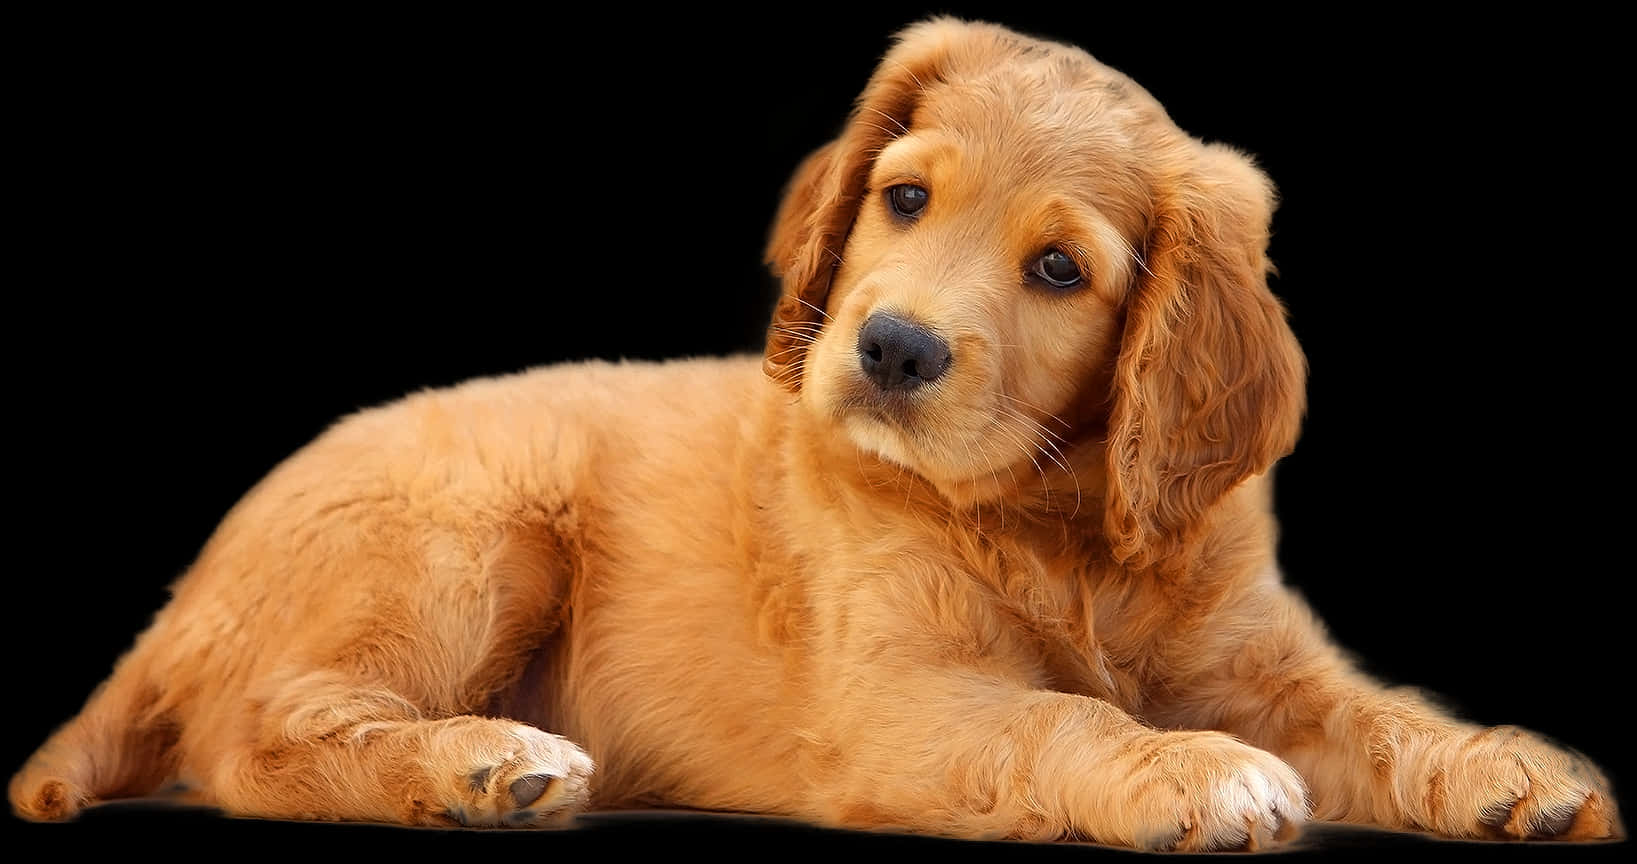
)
(824, 195)
(1209, 383)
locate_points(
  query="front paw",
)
(1506, 784)
(1205, 791)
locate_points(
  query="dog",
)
(981, 546)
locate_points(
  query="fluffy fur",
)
(1034, 599)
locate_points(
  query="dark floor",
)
(177, 832)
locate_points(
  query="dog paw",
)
(521, 778)
(1204, 791)
(1506, 784)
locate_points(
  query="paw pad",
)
(528, 789)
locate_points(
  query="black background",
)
(226, 233)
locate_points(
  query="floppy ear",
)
(824, 195)
(1209, 384)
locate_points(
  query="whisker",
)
(910, 72)
(996, 478)
(1029, 452)
(1028, 404)
(858, 458)
(1061, 459)
(1034, 424)
(1072, 476)
(889, 117)
(1044, 431)
(1014, 413)
(977, 506)
(811, 306)
(1132, 251)
(889, 133)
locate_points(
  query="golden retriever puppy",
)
(981, 547)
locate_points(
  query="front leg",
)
(966, 754)
(1381, 756)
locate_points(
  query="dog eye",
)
(1058, 269)
(906, 200)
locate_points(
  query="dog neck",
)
(1060, 493)
(1052, 507)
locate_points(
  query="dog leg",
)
(382, 727)
(1383, 756)
(971, 756)
(329, 750)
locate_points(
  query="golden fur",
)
(1038, 599)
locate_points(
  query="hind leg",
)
(375, 715)
(331, 651)
(332, 750)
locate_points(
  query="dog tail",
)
(120, 745)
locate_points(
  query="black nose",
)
(900, 355)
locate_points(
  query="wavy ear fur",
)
(1209, 383)
(824, 195)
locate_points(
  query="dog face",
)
(1012, 262)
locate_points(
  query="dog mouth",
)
(880, 433)
(866, 402)
(895, 422)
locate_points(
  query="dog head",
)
(1012, 255)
